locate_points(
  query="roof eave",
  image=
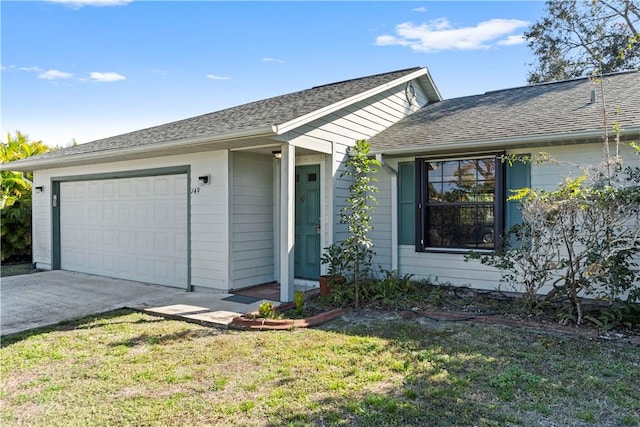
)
(157, 149)
(307, 118)
(509, 143)
(431, 89)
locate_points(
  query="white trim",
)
(150, 149)
(314, 144)
(287, 221)
(323, 202)
(394, 222)
(276, 218)
(228, 219)
(505, 143)
(307, 118)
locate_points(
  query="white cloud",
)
(421, 9)
(82, 3)
(55, 75)
(439, 34)
(513, 40)
(215, 77)
(267, 59)
(36, 69)
(106, 77)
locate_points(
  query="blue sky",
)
(87, 69)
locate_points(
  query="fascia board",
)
(430, 89)
(151, 149)
(507, 143)
(309, 117)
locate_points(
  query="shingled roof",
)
(247, 120)
(539, 114)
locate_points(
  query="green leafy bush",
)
(15, 231)
(15, 198)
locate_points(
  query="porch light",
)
(39, 189)
(277, 154)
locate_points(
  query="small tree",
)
(581, 238)
(357, 247)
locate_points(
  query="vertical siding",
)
(209, 218)
(252, 228)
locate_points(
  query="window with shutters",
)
(457, 203)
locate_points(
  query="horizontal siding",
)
(361, 120)
(452, 268)
(381, 219)
(41, 221)
(252, 220)
(209, 226)
(446, 268)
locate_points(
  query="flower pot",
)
(327, 280)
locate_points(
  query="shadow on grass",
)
(467, 374)
(86, 322)
(386, 371)
(107, 318)
(159, 339)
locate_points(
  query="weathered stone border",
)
(247, 321)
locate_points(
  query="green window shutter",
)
(518, 176)
(406, 203)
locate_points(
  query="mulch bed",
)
(590, 332)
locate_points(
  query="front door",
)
(307, 227)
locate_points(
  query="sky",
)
(89, 69)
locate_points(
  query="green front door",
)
(307, 228)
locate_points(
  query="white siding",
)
(252, 224)
(209, 215)
(361, 120)
(452, 268)
(343, 128)
(41, 221)
(228, 254)
(381, 234)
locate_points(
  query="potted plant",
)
(336, 263)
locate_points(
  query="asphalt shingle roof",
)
(545, 109)
(254, 115)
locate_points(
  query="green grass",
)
(16, 269)
(129, 368)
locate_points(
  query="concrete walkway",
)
(41, 299)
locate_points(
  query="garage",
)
(133, 228)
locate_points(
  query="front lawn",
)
(129, 368)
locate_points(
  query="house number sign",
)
(195, 190)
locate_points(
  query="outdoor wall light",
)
(277, 154)
(204, 179)
(39, 189)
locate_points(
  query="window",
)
(458, 204)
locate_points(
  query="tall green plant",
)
(357, 247)
(15, 197)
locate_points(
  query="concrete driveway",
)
(41, 299)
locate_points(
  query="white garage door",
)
(129, 228)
